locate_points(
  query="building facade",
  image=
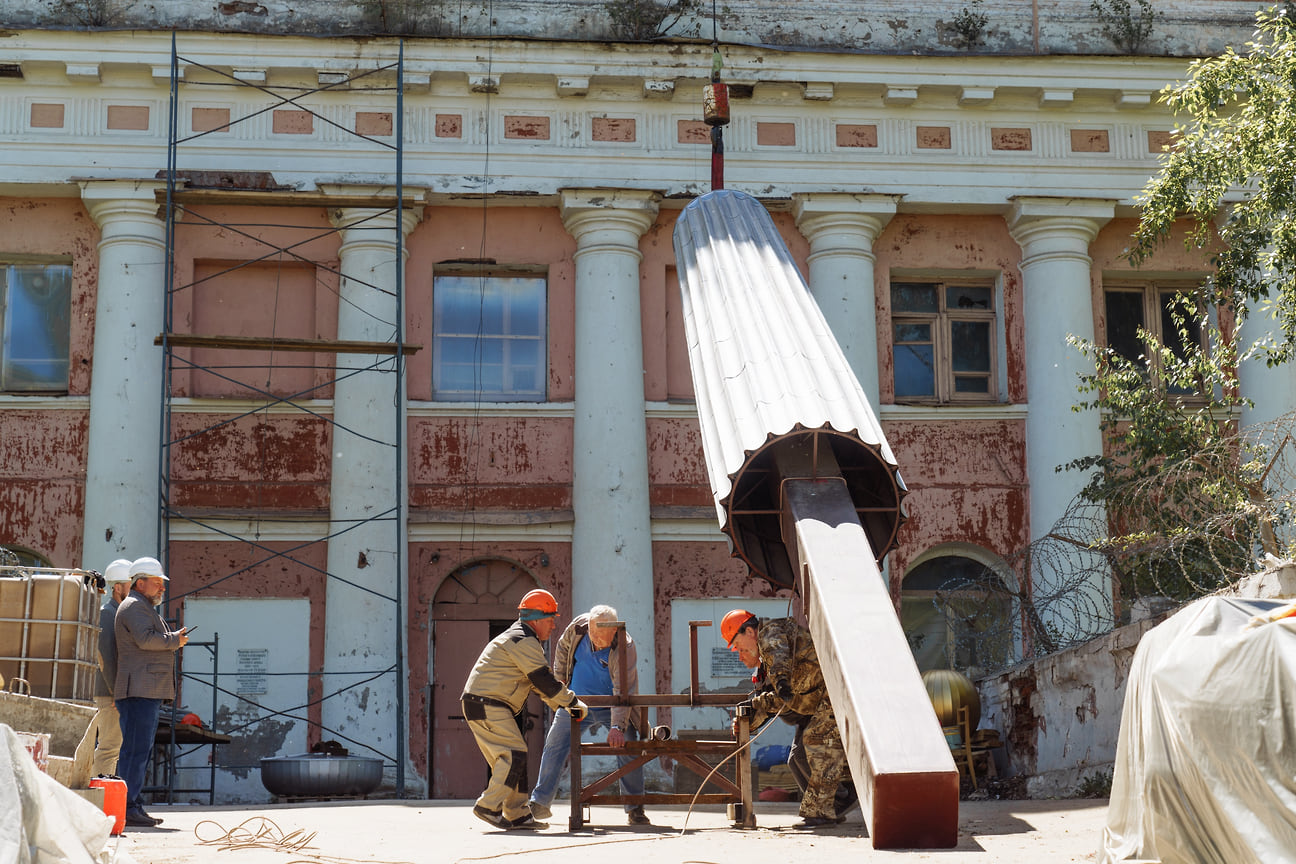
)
(368, 336)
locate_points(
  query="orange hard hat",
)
(191, 719)
(732, 622)
(537, 604)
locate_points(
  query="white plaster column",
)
(1054, 235)
(125, 430)
(1272, 389)
(841, 229)
(362, 624)
(612, 537)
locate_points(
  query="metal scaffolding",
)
(186, 192)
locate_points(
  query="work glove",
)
(578, 710)
(783, 689)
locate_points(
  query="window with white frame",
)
(489, 337)
(1147, 306)
(35, 327)
(944, 341)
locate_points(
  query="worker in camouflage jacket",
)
(791, 686)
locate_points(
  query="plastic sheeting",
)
(1206, 761)
(42, 822)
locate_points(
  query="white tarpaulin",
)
(1206, 761)
(42, 822)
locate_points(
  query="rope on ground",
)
(702, 785)
(260, 832)
(682, 832)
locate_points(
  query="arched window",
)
(16, 556)
(958, 614)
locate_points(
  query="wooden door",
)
(474, 605)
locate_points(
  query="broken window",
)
(489, 338)
(943, 341)
(1149, 307)
(35, 323)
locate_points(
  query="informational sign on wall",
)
(725, 664)
(248, 680)
(719, 669)
(253, 663)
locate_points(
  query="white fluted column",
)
(125, 437)
(612, 535)
(361, 620)
(1054, 235)
(841, 229)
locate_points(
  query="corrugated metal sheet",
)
(766, 367)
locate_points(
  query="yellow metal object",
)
(949, 691)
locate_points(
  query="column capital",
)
(590, 214)
(839, 223)
(813, 209)
(373, 220)
(126, 211)
(1055, 228)
(144, 191)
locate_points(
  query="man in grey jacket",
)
(145, 659)
(588, 659)
(102, 740)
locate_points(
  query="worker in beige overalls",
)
(494, 698)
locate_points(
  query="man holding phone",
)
(145, 678)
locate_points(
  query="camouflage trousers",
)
(820, 744)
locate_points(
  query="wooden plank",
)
(270, 343)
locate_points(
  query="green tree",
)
(1185, 494)
(1234, 157)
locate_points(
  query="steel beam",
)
(903, 771)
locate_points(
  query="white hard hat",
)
(117, 571)
(143, 567)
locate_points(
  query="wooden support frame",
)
(737, 793)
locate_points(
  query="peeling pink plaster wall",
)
(968, 485)
(492, 463)
(280, 462)
(967, 478)
(532, 238)
(43, 454)
(676, 465)
(695, 570)
(42, 482)
(429, 565)
(1172, 260)
(210, 240)
(945, 245)
(60, 228)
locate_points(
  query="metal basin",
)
(320, 775)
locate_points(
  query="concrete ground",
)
(445, 832)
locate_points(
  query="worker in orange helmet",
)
(790, 685)
(510, 667)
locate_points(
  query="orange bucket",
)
(114, 799)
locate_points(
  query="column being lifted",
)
(809, 493)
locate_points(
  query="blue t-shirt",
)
(590, 673)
